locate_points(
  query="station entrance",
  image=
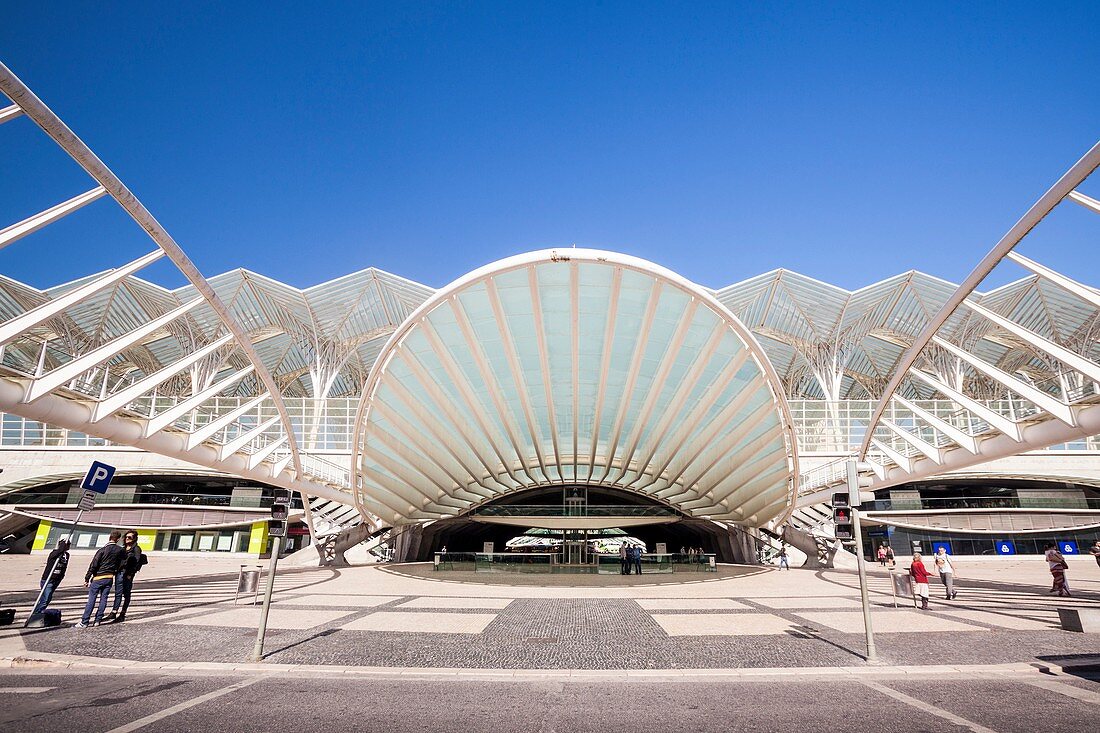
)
(575, 528)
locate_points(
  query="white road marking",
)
(926, 707)
(153, 718)
(24, 690)
(1068, 690)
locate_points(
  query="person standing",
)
(919, 573)
(624, 559)
(946, 571)
(1058, 567)
(637, 560)
(99, 578)
(1095, 551)
(783, 562)
(124, 580)
(56, 565)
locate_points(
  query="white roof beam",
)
(1070, 358)
(50, 309)
(964, 440)
(934, 454)
(544, 361)
(7, 114)
(904, 461)
(17, 231)
(507, 340)
(1072, 286)
(632, 372)
(1052, 405)
(657, 386)
(258, 457)
(117, 401)
(605, 365)
(996, 419)
(162, 420)
(81, 364)
(246, 437)
(212, 427)
(1087, 201)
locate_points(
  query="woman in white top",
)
(1058, 568)
(946, 571)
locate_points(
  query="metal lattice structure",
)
(1022, 370)
(178, 374)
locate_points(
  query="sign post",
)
(95, 482)
(276, 528)
(854, 482)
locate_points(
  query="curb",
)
(78, 663)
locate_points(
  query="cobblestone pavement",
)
(386, 616)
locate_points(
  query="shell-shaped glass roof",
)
(574, 367)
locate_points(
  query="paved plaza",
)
(745, 648)
(409, 616)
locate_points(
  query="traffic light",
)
(842, 520)
(280, 511)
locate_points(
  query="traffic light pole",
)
(258, 650)
(872, 654)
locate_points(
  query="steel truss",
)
(181, 379)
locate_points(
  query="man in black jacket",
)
(124, 581)
(108, 560)
(56, 565)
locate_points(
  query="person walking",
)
(624, 559)
(783, 562)
(124, 580)
(890, 556)
(1095, 551)
(919, 573)
(637, 560)
(881, 554)
(947, 572)
(99, 578)
(1058, 567)
(56, 565)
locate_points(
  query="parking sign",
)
(98, 477)
(1005, 547)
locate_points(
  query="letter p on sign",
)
(98, 477)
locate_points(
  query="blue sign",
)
(937, 545)
(98, 478)
(1068, 547)
(1005, 547)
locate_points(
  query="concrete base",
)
(1085, 620)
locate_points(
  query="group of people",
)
(113, 566)
(692, 554)
(919, 573)
(630, 556)
(885, 555)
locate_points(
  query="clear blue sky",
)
(721, 140)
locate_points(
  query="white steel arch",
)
(574, 366)
(998, 411)
(223, 411)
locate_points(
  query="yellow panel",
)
(41, 535)
(257, 540)
(147, 539)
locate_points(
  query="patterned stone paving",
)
(369, 616)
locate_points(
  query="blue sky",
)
(848, 142)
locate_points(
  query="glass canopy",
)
(574, 367)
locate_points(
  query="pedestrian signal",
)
(840, 499)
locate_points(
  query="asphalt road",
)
(109, 701)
